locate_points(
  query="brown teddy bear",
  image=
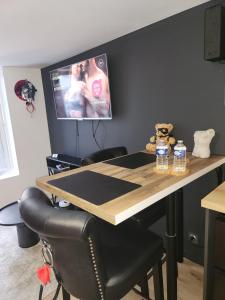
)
(163, 131)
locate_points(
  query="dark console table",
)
(10, 216)
(61, 162)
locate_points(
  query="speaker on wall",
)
(214, 44)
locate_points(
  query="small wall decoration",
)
(202, 141)
(25, 91)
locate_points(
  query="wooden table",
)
(153, 188)
(215, 200)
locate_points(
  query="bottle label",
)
(162, 151)
(180, 153)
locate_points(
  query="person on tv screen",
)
(96, 91)
(73, 99)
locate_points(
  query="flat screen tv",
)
(81, 90)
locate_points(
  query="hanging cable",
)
(103, 134)
(77, 139)
(94, 132)
(97, 127)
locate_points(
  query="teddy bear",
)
(202, 141)
(163, 131)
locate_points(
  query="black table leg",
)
(171, 248)
(219, 172)
(179, 225)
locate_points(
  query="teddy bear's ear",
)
(170, 127)
(157, 126)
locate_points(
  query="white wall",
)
(30, 134)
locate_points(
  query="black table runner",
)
(132, 161)
(94, 187)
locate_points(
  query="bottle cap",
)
(180, 141)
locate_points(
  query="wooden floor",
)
(190, 283)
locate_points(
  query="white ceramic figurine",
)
(202, 141)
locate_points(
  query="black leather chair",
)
(104, 154)
(92, 259)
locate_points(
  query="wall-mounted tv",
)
(81, 90)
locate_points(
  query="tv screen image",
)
(81, 90)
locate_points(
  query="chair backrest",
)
(73, 239)
(104, 154)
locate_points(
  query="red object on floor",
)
(44, 274)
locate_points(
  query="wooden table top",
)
(216, 199)
(153, 188)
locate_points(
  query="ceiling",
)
(38, 33)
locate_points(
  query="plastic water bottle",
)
(161, 155)
(179, 158)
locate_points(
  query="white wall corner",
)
(30, 133)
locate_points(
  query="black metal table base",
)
(179, 225)
(171, 247)
(219, 172)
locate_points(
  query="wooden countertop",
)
(153, 186)
(216, 199)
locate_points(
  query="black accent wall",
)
(157, 74)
